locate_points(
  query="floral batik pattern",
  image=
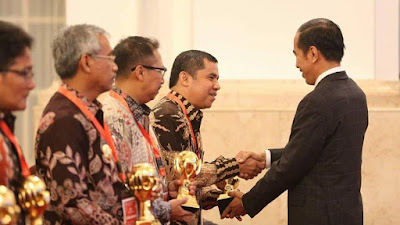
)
(131, 145)
(84, 184)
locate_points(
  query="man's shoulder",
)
(60, 112)
(111, 105)
(165, 107)
(61, 106)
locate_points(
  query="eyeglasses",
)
(162, 70)
(110, 57)
(26, 73)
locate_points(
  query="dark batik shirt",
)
(10, 166)
(84, 184)
(174, 135)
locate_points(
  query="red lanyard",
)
(146, 135)
(11, 137)
(104, 132)
(177, 100)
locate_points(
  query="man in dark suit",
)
(321, 164)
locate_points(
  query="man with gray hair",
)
(82, 174)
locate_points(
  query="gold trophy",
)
(143, 181)
(227, 186)
(188, 165)
(9, 210)
(34, 199)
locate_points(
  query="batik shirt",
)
(132, 147)
(10, 166)
(84, 184)
(174, 135)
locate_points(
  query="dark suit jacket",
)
(321, 164)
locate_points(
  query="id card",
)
(129, 208)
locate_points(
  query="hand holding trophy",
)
(143, 181)
(227, 186)
(34, 199)
(9, 209)
(188, 165)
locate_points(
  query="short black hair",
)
(13, 41)
(132, 51)
(189, 61)
(325, 35)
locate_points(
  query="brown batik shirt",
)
(84, 184)
(174, 135)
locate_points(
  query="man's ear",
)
(313, 53)
(184, 78)
(85, 63)
(138, 73)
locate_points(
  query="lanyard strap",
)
(104, 132)
(179, 102)
(145, 134)
(11, 137)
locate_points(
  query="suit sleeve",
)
(298, 157)
(276, 154)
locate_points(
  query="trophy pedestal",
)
(223, 202)
(191, 204)
(190, 208)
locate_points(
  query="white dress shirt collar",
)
(328, 72)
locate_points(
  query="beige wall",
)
(253, 41)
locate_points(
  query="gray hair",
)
(70, 43)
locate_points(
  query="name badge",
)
(129, 209)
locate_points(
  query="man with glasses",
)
(16, 81)
(75, 153)
(139, 78)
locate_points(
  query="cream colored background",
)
(257, 114)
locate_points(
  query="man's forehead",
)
(104, 43)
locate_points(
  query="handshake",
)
(250, 164)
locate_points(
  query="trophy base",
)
(223, 203)
(191, 205)
(191, 209)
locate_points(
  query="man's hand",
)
(250, 164)
(178, 213)
(156, 194)
(235, 208)
(173, 188)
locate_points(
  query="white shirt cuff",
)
(267, 159)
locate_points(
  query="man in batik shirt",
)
(177, 119)
(80, 172)
(139, 78)
(16, 81)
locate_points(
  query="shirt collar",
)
(93, 106)
(138, 110)
(9, 118)
(193, 112)
(327, 73)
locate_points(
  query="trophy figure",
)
(34, 199)
(9, 210)
(227, 186)
(188, 165)
(143, 181)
